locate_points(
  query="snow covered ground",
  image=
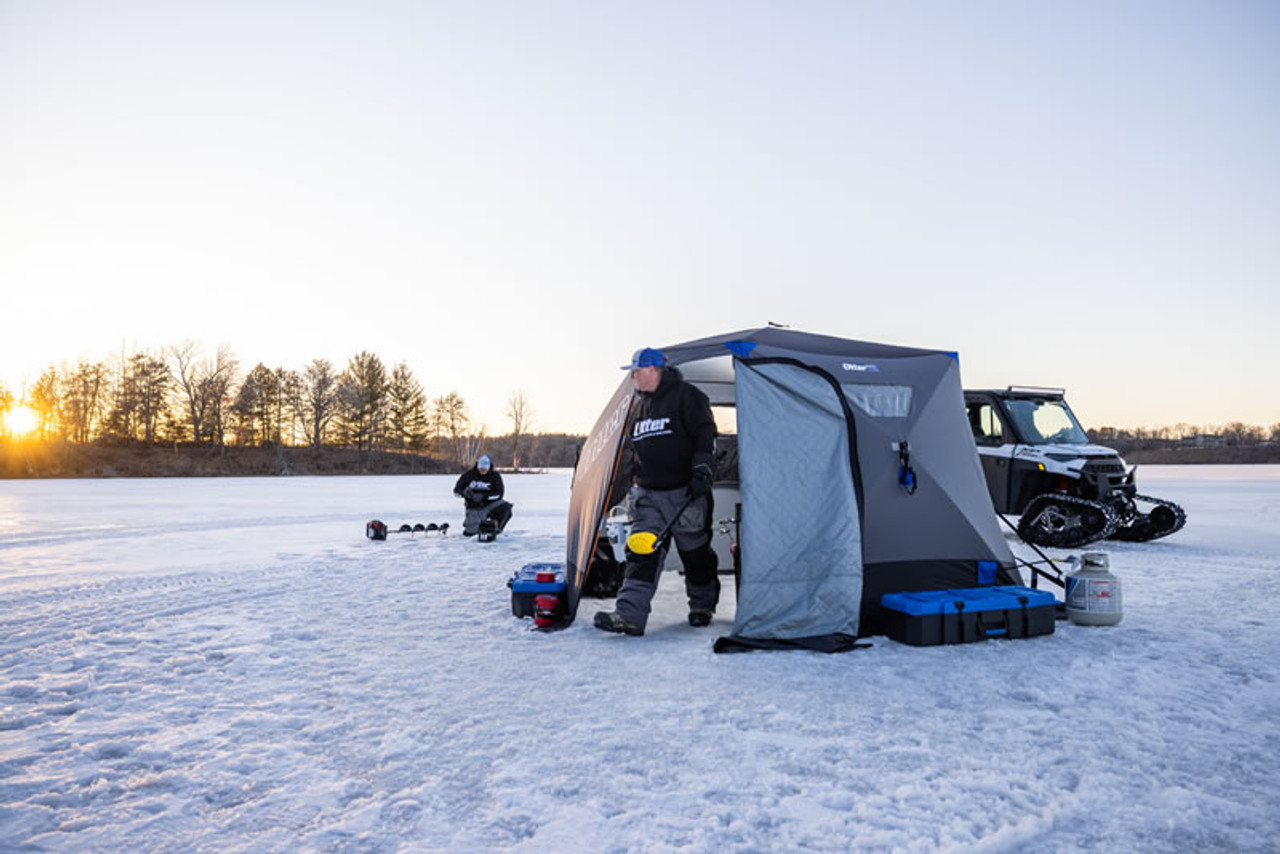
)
(228, 665)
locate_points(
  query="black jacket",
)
(670, 433)
(478, 489)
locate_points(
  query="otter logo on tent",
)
(854, 366)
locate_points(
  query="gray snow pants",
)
(499, 511)
(651, 510)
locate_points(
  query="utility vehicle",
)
(1040, 465)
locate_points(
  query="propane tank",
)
(1093, 593)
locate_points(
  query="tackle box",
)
(935, 617)
(533, 580)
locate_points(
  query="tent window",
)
(726, 419)
(726, 444)
(880, 401)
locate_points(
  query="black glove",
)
(701, 483)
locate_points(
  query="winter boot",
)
(700, 617)
(610, 621)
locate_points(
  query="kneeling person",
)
(480, 488)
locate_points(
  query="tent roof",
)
(708, 362)
(773, 340)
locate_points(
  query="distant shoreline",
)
(53, 460)
(1237, 455)
(73, 461)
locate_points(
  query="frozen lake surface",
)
(228, 664)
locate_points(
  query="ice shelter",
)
(856, 476)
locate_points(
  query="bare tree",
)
(520, 413)
(452, 418)
(1238, 433)
(319, 397)
(205, 388)
(215, 390)
(82, 400)
(470, 447)
(188, 372)
(436, 427)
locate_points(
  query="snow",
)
(230, 665)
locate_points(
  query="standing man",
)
(671, 436)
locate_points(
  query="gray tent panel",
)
(801, 540)
(951, 503)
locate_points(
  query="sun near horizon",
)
(19, 421)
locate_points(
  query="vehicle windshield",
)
(1046, 422)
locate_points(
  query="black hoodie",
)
(478, 489)
(671, 432)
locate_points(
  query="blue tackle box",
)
(932, 617)
(526, 586)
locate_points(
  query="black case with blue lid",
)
(932, 617)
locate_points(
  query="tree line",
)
(183, 396)
(1234, 443)
(1233, 435)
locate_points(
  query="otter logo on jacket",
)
(649, 427)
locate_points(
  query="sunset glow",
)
(21, 420)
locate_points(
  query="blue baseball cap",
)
(646, 358)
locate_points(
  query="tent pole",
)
(1036, 571)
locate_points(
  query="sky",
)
(512, 197)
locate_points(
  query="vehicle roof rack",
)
(1035, 389)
